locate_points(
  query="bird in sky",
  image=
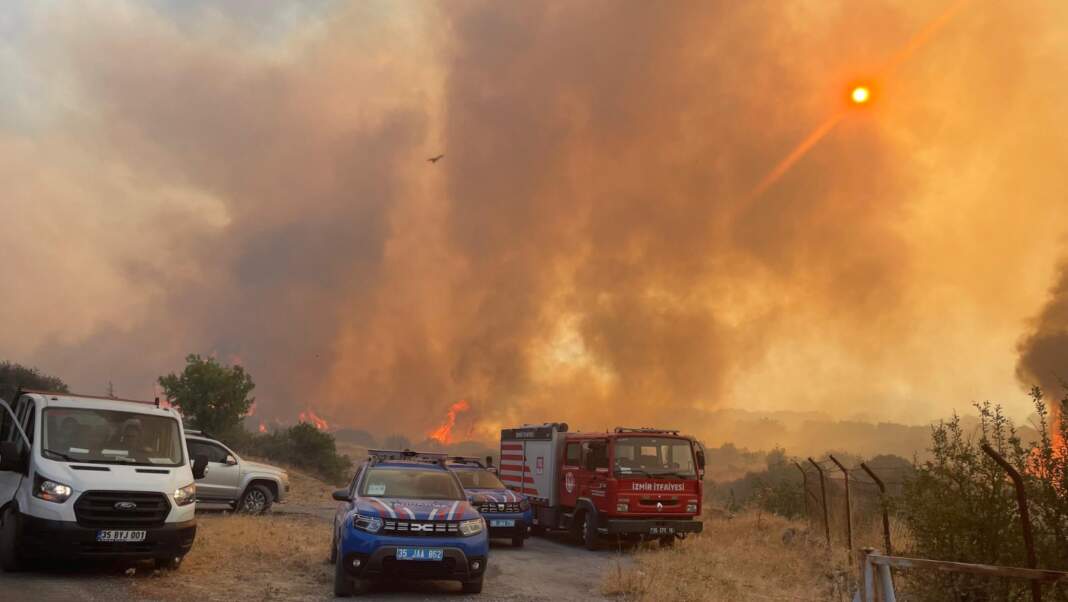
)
(435, 159)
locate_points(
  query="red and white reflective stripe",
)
(511, 446)
(514, 468)
(392, 514)
(452, 511)
(517, 457)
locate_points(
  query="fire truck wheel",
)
(517, 541)
(589, 531)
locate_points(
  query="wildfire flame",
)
(443, 434)
(310, 417)
(263, 427)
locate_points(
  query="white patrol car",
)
(84, 476)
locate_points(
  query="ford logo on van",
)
(125, 505)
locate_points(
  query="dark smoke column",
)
(1044, 351)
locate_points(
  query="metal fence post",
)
(849, 509)
(886, 510)
(804, 490)
(866, 586)
(823, 493)
(1025, 516)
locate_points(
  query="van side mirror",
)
(341, 495)
(200, 466)
(10, 458)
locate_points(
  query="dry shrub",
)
(743, 558)
(238, 557)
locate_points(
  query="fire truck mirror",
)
(701, 459)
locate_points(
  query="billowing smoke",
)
(588, 249)
(1044, 351)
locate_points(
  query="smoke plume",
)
(254, 184)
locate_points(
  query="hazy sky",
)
(251, 182)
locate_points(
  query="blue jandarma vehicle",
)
(507, 512)
(405, 516)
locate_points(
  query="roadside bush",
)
(776, 489)
(302, 446)
(961, 506)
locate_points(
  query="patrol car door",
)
(11, 431)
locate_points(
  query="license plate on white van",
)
(120, 536)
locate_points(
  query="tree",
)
(16, 376)
(216, 397)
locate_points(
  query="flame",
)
(443, 434)
(263, 427)
(252, 409)
(309, 416)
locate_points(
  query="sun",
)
(860, 95)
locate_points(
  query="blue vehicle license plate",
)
(502, 522)
(420, 554)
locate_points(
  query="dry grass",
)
(736, 559)
(238, 557)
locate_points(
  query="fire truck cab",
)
(631, 482)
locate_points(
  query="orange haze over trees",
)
(589, 249)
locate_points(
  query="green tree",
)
(214, 396)
(16, 376)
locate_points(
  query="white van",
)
(84, 476)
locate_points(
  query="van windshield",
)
(411, 484)
(110, 437)
(654, 456)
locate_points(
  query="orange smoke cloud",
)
(311, 417)
(443, 434)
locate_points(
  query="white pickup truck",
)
(232, 482)
(84, 476)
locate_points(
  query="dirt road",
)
(545, 569)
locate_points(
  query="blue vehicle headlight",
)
(371, 524)
(524, 504)
(471, 527)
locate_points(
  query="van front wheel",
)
(10, 559)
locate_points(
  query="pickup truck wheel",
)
(10, 559)
(517, 541)
(257, 499)
(333, 548)
(537, 530)
(589, 531)
(474, 586)
(343, 586)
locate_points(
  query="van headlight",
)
(183, 496)
(471, 527)
(371, 524)
(49, 490)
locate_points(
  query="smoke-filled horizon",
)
(252, 182)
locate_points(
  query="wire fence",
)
(851, 507)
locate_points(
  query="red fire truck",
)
(631, 482)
